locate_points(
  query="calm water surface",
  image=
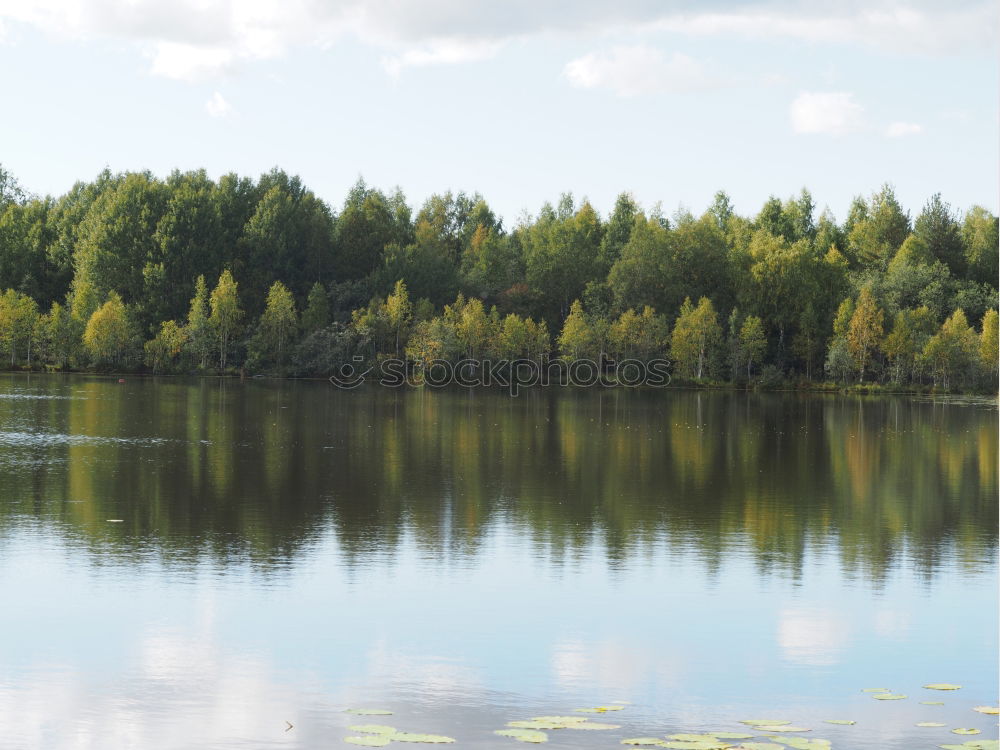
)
(288, 550)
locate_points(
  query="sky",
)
(520, 100)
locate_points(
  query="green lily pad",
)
(369, 740)
(690, 737)
(889, 696)
(761, 746)
(523, 735)
(646, 741)
(372, 728)
(560, 719)
(801, 743)
(982, 744)
(731, 735)
(593, 725)
(931, 703)
(964, 730)
(431, 739)
(781, 728)
(369, 711)
(764, 722)
(839, 721)
(696, 745)
(993, 710)
(874, 690)
(942, 686)
(930, 724)
(537, 725)
(599, 709)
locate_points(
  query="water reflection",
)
(287, 550)
(257, 471)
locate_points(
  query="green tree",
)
(61, 335)
(902, 346)
(473, 328)
(399, 312)
(618, 230)
(988, 355)
(865, 331)
(562, 255)
(226, 315)
(163, 351)
(877, 229)
(980, 241)
(696, 333)
(110, 336)
(839, 362)
(198, 332)
(278, 324)
(18, 324)
(317, 312)
(577, 338)
(938, 229)
(951, 352)
(753, 343)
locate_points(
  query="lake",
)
(194, 563)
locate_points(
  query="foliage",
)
(695, 334)
(878, 286)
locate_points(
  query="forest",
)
(187, 275)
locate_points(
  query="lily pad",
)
(645, 741)
(942, 686)
(731, 735)
(430, 739)
(696, 745)
(801, 743)
(372, 728)
(889, 696)
(593, 725)
(761, 746)
(781, 728)
(537, 725)
(874, 690)
(560, 719)
(930, 724)
(987, 709)
(599, 709)
(369, 711)
(523, 735)
(839, 721)
(369, 740)
(931, 703)
(965, 730)
(691, 737)
(764, 722)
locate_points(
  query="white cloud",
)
(900, 129)
(443, 52)
(196, 38)
(217, 106)
(639, 69)
(906, 27)
(827, 113)
(187, 62)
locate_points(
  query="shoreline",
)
(857, 389)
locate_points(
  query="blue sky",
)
(517, 100)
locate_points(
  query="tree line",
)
(188, 274)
